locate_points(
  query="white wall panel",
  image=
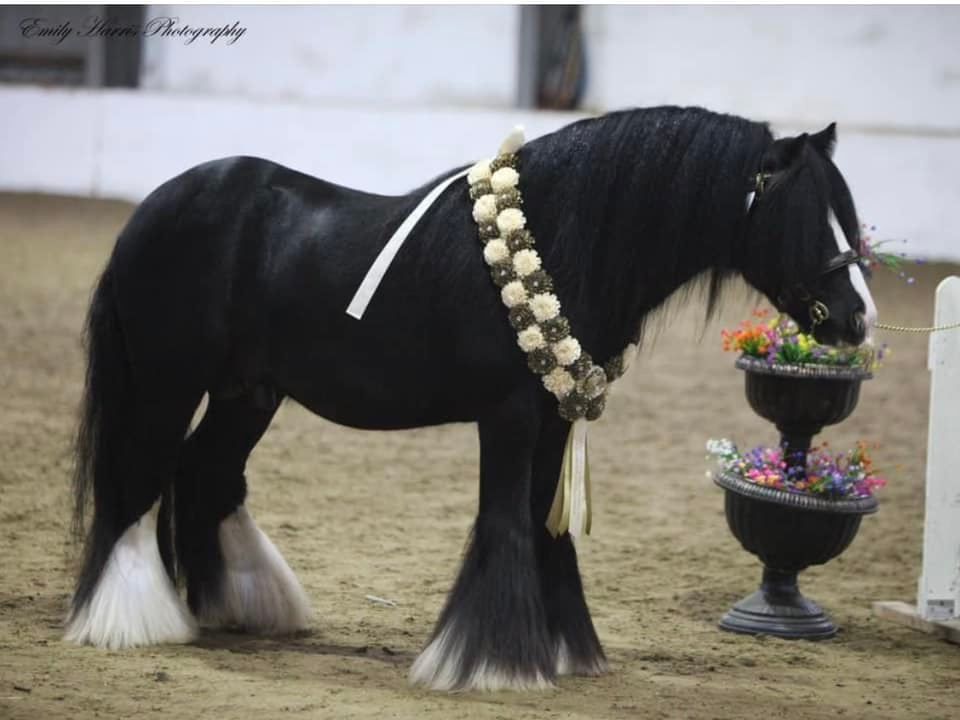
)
(373, 55)
(863, 66)
(123, 144)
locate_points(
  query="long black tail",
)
(105, 411)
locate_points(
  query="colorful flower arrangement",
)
(872, 257)
(526, 289)
(778, 340)
(843, 476)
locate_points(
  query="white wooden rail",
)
(938, 597)
(939, 589)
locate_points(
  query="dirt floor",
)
(386, 514)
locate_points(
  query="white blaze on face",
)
(856, 276)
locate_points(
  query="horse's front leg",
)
(492, 633)
(576, 646)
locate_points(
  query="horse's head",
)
(803, 240)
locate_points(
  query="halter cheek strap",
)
(841, 260)
(818, 310)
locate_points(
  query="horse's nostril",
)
(859, 323)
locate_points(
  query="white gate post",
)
(939, 587)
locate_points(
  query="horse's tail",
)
(106, 408)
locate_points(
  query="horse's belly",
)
(433, 346)
(383, 391)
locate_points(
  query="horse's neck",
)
(642, 284)
(624, 229)
(636, 272)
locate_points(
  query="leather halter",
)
(817, 309)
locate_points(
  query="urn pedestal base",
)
(778, 608)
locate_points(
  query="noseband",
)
(817, 309)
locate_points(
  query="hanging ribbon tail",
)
(558, 519)
(571, 510)
(587, 488)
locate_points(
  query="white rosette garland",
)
(543, 333)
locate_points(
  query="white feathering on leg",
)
(440, 665)
(134, 603)
(567, 666)
(564, 662)
(260, 592)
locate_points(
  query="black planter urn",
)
(790, 532)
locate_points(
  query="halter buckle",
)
(819, 313)
(760, 182)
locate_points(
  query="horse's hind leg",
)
(235, 576)
(124, 596)
(577, 647)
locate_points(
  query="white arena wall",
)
(122, 144)
(453, 56)
(889, 69)
(384, 98)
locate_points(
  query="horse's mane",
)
(631, 205)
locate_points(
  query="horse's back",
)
(243, 268)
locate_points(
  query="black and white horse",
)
(232, 279)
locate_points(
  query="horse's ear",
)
(825, 140)
(782, 153)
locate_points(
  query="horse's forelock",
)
(841, 202)
(797, 209)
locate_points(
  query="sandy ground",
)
(387, 514)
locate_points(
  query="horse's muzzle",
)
(857, 328)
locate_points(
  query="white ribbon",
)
(570, 510)
(379, 268)
(579, 498)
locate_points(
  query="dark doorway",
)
(54, 45)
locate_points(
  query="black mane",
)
(629, 206)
